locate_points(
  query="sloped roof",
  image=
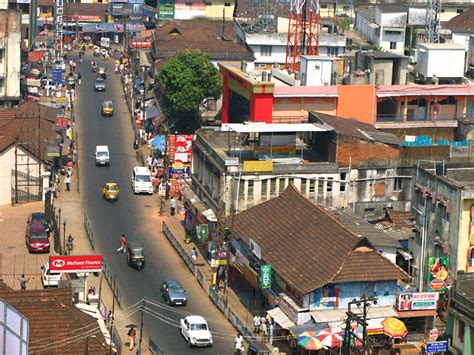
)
(82, 9)
(203, 35)
(366, 264)
(306, 245)
(53, 319)
(462, 23)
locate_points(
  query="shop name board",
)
(417, 301)
(75, 263)
(202, 232)
(35, 56)
(85, 18)
(266, 276)
(141, 44)
(256, 166)
(437, 346)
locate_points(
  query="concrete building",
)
(10, 57)
(461, 28)
(443, 207)
(460, 326)
(268, 40)
(318, 70)
(379, 68)
(431, 61)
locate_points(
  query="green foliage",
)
(345, 24)
(186, 80)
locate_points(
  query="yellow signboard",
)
(258, 166)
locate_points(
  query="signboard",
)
(85, 18)
(232, 161)
(180, 143)
(202, 232)
(266, 276)
(437, 346)
(255, 249)
(35, 56)
(57, 75)
(62, 122)
(75, 263)
(417, 301)
(258, 166)
(179, 171)
(166, 9)
(61, 101)
(141, 44)
(53, 151)
(437, 273)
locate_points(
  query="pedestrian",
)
(123, 243)
(149, 161)
(74, 67)
(173, 206)
(269, 318)
(68, 182)
(109, 319)
(194, 255)
(239, 343)
(23, 280)
(271, 330)
(256, 324)
(79, 78)
(263, 326)
(132, 333)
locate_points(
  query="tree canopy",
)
(186, 80)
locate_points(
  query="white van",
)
(141, 180)
(102, 156)
(49, 278)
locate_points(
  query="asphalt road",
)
(136, 216)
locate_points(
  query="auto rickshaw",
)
(111, 191)
(107, 108)
(136, 255)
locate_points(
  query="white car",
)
(196, 331)
(48, 278)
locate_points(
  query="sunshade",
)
(309, 341)
(394, 328)
(330, 337)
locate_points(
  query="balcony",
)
(419, 120)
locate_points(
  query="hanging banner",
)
(266, 276)
(202, 232)
(437, 273)
(417, 301)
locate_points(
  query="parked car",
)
(196, 331)
(99, 84)
(40, 217)
(49, 278)
(37, 237)
(173, 293)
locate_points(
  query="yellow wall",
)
(299, 107)
(464, 240)
(215, 10)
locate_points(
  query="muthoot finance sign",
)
(75, 263)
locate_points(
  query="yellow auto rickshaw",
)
(110, 191)
(107, 108)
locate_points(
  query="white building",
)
(268, 41)
(10, 57)
(462, 27)
(432, 59)
(318, 70)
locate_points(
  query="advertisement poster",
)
(437, 273)
(417, 301)
(178, 144)
(330, 297)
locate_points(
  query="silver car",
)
(99, 84)
(173, 293)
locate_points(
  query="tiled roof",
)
(81, 9)
(22, 123)
(462, 23)
(365, 264)
(54, 321)
(203, 35)
(306, 245)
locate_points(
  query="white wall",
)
(10, 64)
(461, 39)
(434, 62)
(362, 25)
(316, 71)
(386, 38)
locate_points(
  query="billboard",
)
(417, 301)
(437, 273)
(75, 263)
(180, 147)
(166, 9)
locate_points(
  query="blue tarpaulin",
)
(159, 142)
(152, 112)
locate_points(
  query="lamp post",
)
(58, 227)
(64, 238)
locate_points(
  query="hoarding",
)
(180, 143)
(417, 301)
(437, 273)
(258, 166)
(166, 9)
(75, 263)
(266, 276)
(141, 44)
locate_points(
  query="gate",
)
(25, 187)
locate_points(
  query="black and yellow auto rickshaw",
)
(136, 255)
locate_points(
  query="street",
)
(136, 216)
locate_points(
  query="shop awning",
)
(421, 313)
(308, 327)
(337, 315)
(281, 318)
(210, 215)
(152, 112)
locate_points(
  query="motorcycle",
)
(116, 71)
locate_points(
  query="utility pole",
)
(141, 328)
(112, 318)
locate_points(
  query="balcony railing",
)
(400, 118)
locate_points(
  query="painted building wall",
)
(299, 107)
(385, 291)
(466, 236)
(10, 58)
(357, 101)
(215, 9)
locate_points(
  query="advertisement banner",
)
(180, 143)
(202, 232)
(35, 56)
(437, 273)
(266, 276)
(417, 301)
(84, 18)
(166, 9)
(141, 44)
(75, 263)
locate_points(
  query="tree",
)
(186, 80)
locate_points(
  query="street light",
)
(58, 227)
(64, 238)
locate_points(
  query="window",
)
(461, 328)
(227, 4)
(450, 100)
(459, 11)
(281, 185)
(334, 51)
(260, 65)
(303, 186)
(471, 257)
(393, 45)
(263, 192)
(329, 185)
(343, 182)
(273, 183)
(324, 6)
(250, 193)
(391, 32)
(397, 184)
(266, 51)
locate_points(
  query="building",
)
(54, 307)
(215, 38)
(460, 327)
(431, 62)
(461, 28)
(23, 152)
(379, 68)
(313, 276)
(268, 40)
(442, 205)
(10, 57)
(185, 10)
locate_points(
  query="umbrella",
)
(394, 328)
(330, 337)
(131, 326)
(309, 341)
(70, 164)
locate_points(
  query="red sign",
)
(437, 285)
(140, 44)
(62, 122)
(180, 147)
(76, 263)
(35, 56)
(85, 18)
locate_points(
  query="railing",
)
(399, 118)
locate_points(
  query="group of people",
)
(264, 326)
